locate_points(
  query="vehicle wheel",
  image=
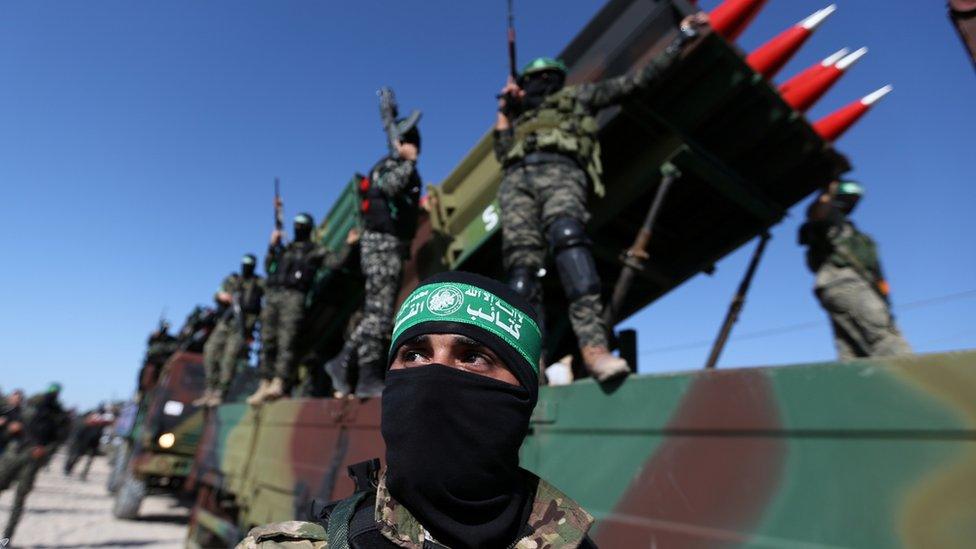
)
(120, 461)
(129, 498)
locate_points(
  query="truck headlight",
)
(166, 440)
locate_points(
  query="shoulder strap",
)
(338, 532)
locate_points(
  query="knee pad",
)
(525, 282)
(570, 247)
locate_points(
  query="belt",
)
(543, 158)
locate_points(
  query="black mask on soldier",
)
(452, 452)
(412, 136)
(846, 202)
(540, 85)
(453, 436)
(303, 227)
(248, 265)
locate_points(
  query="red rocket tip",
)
(731, 17)
(836, 123)
(801, 94)
(810, 71)
(769, 58)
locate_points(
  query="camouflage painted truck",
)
(871, 453)
(157, 454)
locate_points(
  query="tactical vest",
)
(562, 124)
(250, 292)
(293, 269)
(843, 245)
(396, 215)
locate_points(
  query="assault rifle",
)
(389, 110)
(512, 66)
(278, 223)
(388, 114)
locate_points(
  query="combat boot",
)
(602, 365)
(257, 397)
(204, 398)
(370, 381)
(275, 390)
(338, 370)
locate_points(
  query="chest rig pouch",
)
(560, 125)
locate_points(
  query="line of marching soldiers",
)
(545, 138)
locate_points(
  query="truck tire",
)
(119, 463)
(129, 498)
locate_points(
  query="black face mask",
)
(540, 86)
(846, 203)
(247, 270)
(302, 232)
(452, 442)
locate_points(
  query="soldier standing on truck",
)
(291, 271)
(462, 385)
(239, 299)
(159, 347)
(849, 282)
(546, 141)
(43, 426)
(389, 199)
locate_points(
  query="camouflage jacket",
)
(248, 291)
(556, 521)
(565, 123)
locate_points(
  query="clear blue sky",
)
(138, 142)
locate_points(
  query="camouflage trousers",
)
(224, 349)
(381, 260)
(281, 318)
(531, 198)
(861, 319)
(17, 465)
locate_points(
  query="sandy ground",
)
(66, 512)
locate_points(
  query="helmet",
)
(544, 64)
(850, 188)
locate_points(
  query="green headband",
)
(457, 302)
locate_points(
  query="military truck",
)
(870, 453)
(156, 455)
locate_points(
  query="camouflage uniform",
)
(848, 278)
(159, 348)
(554, 521)
(390, 220)
(45, 425)
(551, 156)
(227, 345)
(291, 270)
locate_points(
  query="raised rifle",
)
(388, 114)
(512, 65)
(278, 216)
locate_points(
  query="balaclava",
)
(248, 264)
(453, 437)
(539, 85)
(303, 224)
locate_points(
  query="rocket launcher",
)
(769, 58)
(731, 17)
(803, 94)
(836, 123)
